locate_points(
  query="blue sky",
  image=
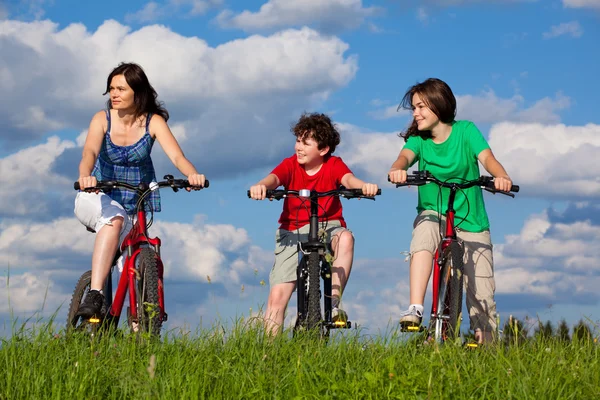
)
(234, 75)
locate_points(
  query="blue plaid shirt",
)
(131, 164)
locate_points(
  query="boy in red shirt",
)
(314, 168)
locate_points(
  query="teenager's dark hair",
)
(144, 96)
(438, 96)
(318, 127)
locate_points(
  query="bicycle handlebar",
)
(176, 184)
(278, 194)
(420, 178)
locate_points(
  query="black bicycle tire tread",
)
(314, 301)
(302, 295)
(455, 290)
(149, 286)
(84, 281)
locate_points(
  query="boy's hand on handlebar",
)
(503, 183)
(87, 182)
(258, 192)
(369, 189)
(196, 180)
(397, 175)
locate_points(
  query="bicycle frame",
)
(315, 245)
(131, 247)
(439, 288)
(439, 257)
(135, 246)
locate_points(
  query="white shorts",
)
(96, 210)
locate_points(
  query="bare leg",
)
(421, 265)
(343, 251)
(279, 296)
(105, 248)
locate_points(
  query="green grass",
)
(39, 363)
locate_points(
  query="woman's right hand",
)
(397, 175)
(87, 182)
(258, 192)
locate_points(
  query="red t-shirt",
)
(296, 211)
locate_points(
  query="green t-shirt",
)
(455, 160)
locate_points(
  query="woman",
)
(450, 150)
(117, 147)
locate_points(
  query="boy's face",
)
(307, 151)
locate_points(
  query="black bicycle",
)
(142, 277)
(313, 264)
(448, 265)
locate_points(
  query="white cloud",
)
(28, 294)
(328, 16)
(550, 259)
(264, 81)
(150, 12)
(487, 107)
(154, 11)
(550, 160)
(29, 187)
(581, 3)
(572, 29)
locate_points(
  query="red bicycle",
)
(448, 265)
(142, 276)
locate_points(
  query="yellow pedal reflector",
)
(472, 345)
(413, 328)
(340, 323)
(94, 320)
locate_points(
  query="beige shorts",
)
(478, 266)
(96, 210)
(286, 250)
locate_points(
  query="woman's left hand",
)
(196, 180)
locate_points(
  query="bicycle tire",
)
(302, 295)
(313, 318)
(149, 315)
(451, 302)
(75, 322)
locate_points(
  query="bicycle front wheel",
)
(149, 313)
(451, 294)
(314, 317)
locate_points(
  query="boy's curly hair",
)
(318, 127)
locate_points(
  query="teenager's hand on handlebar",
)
(258, 192)
(196, 180)
(369, 189)
(397, 175)
(87, 182)
(503, 183)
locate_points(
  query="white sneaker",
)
(411, 316)
(337, 314)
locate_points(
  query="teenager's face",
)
(425, 118)
(307, 151)
(121, 94)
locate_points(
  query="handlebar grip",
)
(514, 188)
(76, 185)
(206, 183)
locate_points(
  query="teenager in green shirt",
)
(451, 150)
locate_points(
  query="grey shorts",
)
(286, 250)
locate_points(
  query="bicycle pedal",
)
(410, 327)
(165, 317)
(341, 324)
